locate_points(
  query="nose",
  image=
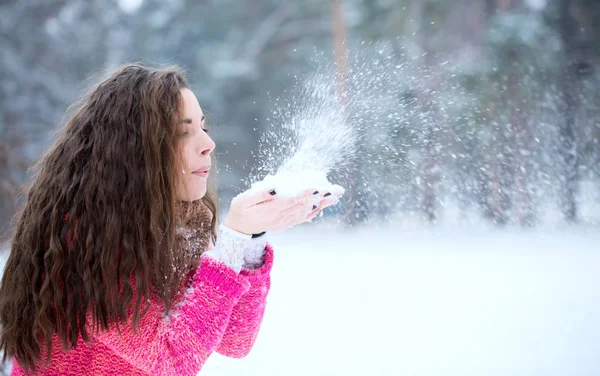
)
(206, 146)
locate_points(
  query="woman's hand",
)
(330, 198)
(254, 212)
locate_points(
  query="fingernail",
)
(272, 192)
(315, 192)
(327, 194)
(314, 207)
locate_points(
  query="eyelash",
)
(186, 133)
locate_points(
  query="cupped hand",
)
(253, 212)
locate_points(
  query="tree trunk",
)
(429, 153)
(340, 36)
(568, 145)
(507, 167)
(520, 137)
(497, 202)
(569, 89)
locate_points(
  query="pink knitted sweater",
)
(221, 311)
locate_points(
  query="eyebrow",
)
(189, 121)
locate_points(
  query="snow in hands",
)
(292, 183)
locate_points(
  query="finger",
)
(289, 219)
(289, 223)
(309, 192)
(297, 218)
(334, 190)
(307, 197)
(329, 198)
(298, 209)
(294, 215)
(312, 215)
(328, 202)
(324, 204)
(254, 197)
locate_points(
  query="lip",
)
(203, 171)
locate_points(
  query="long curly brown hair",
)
(101, 209)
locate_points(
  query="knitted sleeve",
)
(180, 343)
(247, 315)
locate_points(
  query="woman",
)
(117, 265)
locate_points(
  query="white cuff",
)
(239, 235)
(229, 248)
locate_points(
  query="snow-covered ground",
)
(419, 302)
(429, 303)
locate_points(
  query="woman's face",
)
(195, 149)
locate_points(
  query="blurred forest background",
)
(512, 134)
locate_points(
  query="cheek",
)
(186, 156)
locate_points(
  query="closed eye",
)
(203, 122)
(189, 121)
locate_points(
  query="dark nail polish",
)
(314, 207)
(272, 192)
(315, 192)
(327, 194)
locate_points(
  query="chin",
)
(200, 193)
(193, 193)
